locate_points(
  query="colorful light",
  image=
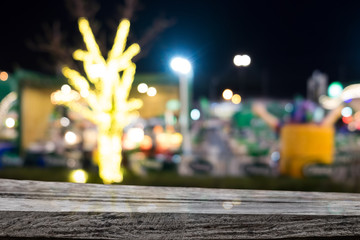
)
(146, 143)
(289, 107)
(347, 120)
(347, 95)
(4, 76)
(335, 89)
(158, 129)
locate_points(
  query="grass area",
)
(171, 178)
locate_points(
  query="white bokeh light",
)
(181, 65)
(64, 121)
(135, 135)
(10, 122)
(346, 112)
(242, 60)
(70, 138)
(66, 89)
(195, 114)
(227, 94)
(151, 92)
(142, 88)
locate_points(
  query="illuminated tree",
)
(102, 96)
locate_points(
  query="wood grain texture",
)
(31, 209)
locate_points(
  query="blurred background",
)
(234, 94)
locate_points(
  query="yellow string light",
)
(108, 104)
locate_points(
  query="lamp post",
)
(183, 69)
(242, 60)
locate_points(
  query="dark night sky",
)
(287, 40)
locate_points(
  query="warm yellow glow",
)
(105, 101)
(236, 99)
(158, 129)
(60, 97)
(169, 141)
(4, 76)
(110, 158)
(151, 92)
(227, 94)
(146, 143)
(78, 176)
(142, 88)
(10, 122)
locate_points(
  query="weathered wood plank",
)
(30, 209)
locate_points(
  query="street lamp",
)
(242, 60)
(183, 69)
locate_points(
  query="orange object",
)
(303, 144)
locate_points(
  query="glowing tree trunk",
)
(102, 97)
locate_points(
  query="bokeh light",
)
(195, 114)
(84, 93)
(142, 88)
(66, 89)
(335, 89)
(227, 94)
(64, 121)
(146, 143)
(78, 176)
(347, 120)
(180, 65)
(346, 112)
(242, 60)
(236, 99)
(4, 76)
(10, 122)
(71, 138)
(135, 134)
(289, 107)
(151, 92)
